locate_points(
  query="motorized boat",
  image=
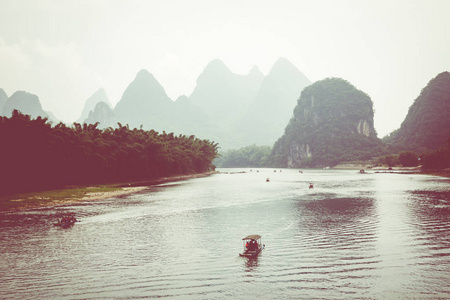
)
(252, 245)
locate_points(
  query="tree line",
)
(36, 156)
(438, 159)
(262, 156)
(250, 156)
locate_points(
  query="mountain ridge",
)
(145, 102)
(427, 123)
(26, 103)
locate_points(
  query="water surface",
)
(353, 236)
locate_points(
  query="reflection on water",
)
(251, 263)
(352, 236)
(430, 211)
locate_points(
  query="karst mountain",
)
(332, 123)
(427, 124)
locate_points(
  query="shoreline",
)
(71, 195)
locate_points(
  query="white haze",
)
(65, 50)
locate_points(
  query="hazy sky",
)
(64, 50)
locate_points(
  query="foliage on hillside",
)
(437, 159)
(250, 156)
(427, 124)
(35, 156)
(330, 149)
(404, 158)
(326, 127)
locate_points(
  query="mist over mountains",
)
(91, 102)
(308, 124)
(231, 109)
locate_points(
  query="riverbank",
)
(84, 193)
(394, 170)
(383, 169)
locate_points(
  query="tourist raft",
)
(252, 245)
(66, 222)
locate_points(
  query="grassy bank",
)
(83, 193)
(53, 197)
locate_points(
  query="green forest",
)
(34, 155)
(250, 156)
(260, 156)
(427, 124)
(327, 127)
(325, 130)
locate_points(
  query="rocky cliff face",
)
(427, 124)
(332, 123)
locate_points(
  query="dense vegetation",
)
(427, 124)
(332, 123)
(404, 158)
(430, 160)
(250, 156)
(436, 159)
(330, 117)
(35, 156)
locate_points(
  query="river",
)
(353, 236)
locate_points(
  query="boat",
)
(252, 245)
(267, 179)
(66, 222)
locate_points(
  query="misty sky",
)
(65, 50)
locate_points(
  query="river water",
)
(353, 236)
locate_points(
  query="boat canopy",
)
(252, 237)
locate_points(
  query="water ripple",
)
(353, 236)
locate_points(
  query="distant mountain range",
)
(266, 117)
(240, 110)
(26, 103)
(233, 110)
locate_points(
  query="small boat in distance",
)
(267, 179)
(252, 245)
(66, 222)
